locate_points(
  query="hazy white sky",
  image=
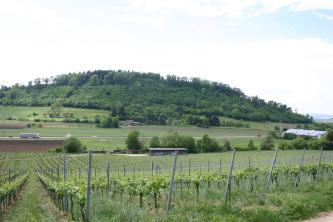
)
(279, 50)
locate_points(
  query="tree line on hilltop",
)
(149, 98)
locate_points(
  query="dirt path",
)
(324, 217)
(34, 205)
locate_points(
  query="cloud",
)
(37, 42)
(227, 8)
(156, 21)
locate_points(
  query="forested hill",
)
(148, 97)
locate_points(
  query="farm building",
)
(130, 123)
(309, 133)
(166, 151)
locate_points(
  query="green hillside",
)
(149, 98)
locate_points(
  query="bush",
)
(299, 143)
(329, 135)
(273, 134)
(207, 144)
(29, 125)
(174, 140)
(289, 136)
(267, 143)
(109, 122)
(227, 145)
(72, 145)
(154, 142)
(251, 146)
(283, 145)
(132, 141)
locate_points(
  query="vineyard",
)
(92, 187)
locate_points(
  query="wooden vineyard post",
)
(181, 180)
(220, 165)
(58, 173)
(171, 183)
(249, 162)
(189, 172)
(9, 175)
(299, 169)
(271, 171)
(227, 192)
(152, 167)
(65, 180)
(189, 167)
(319, 163)
(108, 175)
(88, 186)
(124, 170)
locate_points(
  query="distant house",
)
(166, 151)
(130, 122)
(310, 133)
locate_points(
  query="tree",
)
(72, 145)
(207, 144)
(154, 142)
(329, 135)
(109, 122)
(251, 146)
(132, 141)
(214, 121)
(55, 110)
(115, 122)
(267, 143)
(227, 145)
(106, 122)
(174, 140)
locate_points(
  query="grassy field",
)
(116, 137)
(31, 113)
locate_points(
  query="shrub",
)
(207, 144)
(289, 136)
(267, 143)
(72, 145)
(251, 146)
(329, 135)
(227, 145)
(132, 141)
(174, 140)
(109, 122)
(299, 143)
(284, 145)
(154, 142)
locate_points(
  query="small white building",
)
(310, 133)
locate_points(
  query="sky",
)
(279, 50)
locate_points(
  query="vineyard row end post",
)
(299, 169)
(227, 192)
(171, 183)
(88, 186)
(271, 171)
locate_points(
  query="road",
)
(116, 137)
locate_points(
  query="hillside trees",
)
(149, 98)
